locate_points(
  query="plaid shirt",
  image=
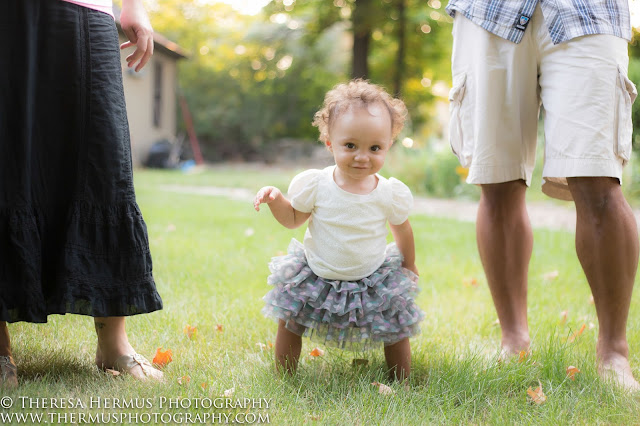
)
(565, 19)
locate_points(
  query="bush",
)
(428, 172)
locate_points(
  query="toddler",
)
(345, 286)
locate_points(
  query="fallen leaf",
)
(577, 334)
(270, 345)
(219, 328)
(184, 380)
(470, 282)
(383, 389)
(563, 317)
(190, 331)
(549, 276)
(229, 393)
(572, 371)
(537, 395)
(114, 373)
(161, 359)
(204, 385)
(523, 355)
(316, 352)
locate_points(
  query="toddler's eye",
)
(349, 145)
(375, 148)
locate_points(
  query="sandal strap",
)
(127, 362)
(7, 367)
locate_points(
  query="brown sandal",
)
(8, 372)
(126, 363)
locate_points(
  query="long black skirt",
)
(72, 238)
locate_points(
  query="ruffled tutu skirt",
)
(352, 315)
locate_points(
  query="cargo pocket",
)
(627, 93)
(456, 131)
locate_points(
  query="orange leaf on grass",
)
(163, 358)
(572, 371)
(537, 395)
(204, 385)
(219, 328)
(470, 282)
(184, 380)
(563, 317)
(316, 352)
(190, 331)
(577, 334)
(523, 355)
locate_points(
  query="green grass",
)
(210, 263)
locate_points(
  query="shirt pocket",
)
(626, 94)
(457, 131)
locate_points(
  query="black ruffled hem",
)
(95, 262)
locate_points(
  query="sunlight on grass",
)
(210, 270)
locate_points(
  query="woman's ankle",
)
(5, 340)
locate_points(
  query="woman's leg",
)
(113, 344)
(8, 371)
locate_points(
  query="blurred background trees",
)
(254, 80)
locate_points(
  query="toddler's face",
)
(359, 139)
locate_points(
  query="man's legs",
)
(607, 246)
(505, 242)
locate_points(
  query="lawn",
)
(210, 263)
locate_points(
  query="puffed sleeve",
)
(401, 202)
(303, 189)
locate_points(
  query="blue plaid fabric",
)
(565, 19)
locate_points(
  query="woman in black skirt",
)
(72, 238)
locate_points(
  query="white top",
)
(105, 6)
(346, 236)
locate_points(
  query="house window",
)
(157, 94)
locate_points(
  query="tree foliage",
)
(251, 80)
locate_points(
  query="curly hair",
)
(357, 93)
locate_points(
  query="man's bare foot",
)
(514, 346)
(616, 369)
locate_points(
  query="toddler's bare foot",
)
(615, 368)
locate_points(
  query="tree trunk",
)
(400, 54)
(361, 22)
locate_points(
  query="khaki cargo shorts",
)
(499, 86)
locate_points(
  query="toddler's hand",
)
(267, 195)
(412, 268)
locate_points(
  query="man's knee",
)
(503, 196)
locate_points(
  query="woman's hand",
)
(137, 27)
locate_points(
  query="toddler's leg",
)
(288, 346)
(398, 357)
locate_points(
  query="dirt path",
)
(543, 215)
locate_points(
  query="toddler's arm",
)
(281, 208)
(403, 235)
